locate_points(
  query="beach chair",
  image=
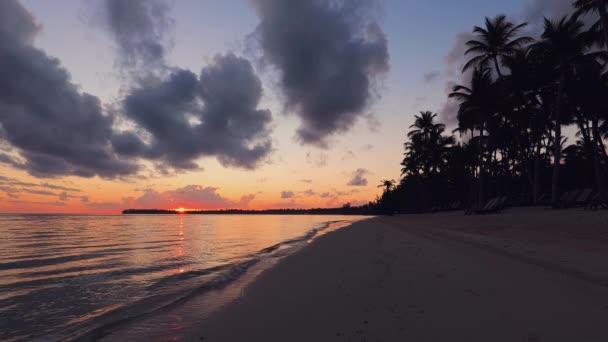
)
(596, 202)
(583, 198)
(490, 204)
(567, 199)
(494, 206)
(542, 199)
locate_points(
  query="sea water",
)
(66, 276)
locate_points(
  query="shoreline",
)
(159, 324)
(381, 280)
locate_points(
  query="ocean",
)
(69, 276)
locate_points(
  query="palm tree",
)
(497, 40)
(599, 6)
(387, 184)
(567, 45)
(477, 106)
(424, 125)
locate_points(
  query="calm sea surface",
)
(63, 276)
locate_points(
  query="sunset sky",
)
(107, 105)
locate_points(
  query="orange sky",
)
(324, 187)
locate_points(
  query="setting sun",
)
(181, 210)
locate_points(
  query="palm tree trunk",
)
(599, 174)
(480, 190)
(557, 146)
(497, 67)
(535, 185)
(601, 9)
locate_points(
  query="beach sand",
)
(527, 274)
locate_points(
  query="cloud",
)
(54, 204)
(454, 62)
(226, 125)
(38, 192)
(307, 181)
(317, 159)
(348, 154)
(63, 196)
(325, 195)
(308, 193)
(191, 196)
(58, 187)
(358, 178)
(329, 54)
(13, 187)
(287, 194)
(55, 129)
(139, 28)
(431, 76)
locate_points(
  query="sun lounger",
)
(568, 199)
(494, 205)
(596, 202)
(583, 198)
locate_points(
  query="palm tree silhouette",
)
(477, 106)
(424, 125)
(601, 7)
(497, 40)
(516, 146)
(387, 184)
(567, 44)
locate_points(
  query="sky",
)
(108, 104)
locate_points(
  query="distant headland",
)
(344, 210)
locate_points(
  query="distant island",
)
(344, 210)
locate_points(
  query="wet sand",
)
(433, 277)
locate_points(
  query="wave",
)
(167, 292)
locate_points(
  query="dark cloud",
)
(358, 178)
(187, 117)
(139, 28)
(56, 129)
(329, 54)
(287, 194)
(431, 76)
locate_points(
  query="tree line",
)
(509, 137)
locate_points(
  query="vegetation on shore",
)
(508, 141)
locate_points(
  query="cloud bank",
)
(56, 129)
(186, 117)
(140, 30)
(329, 54)
(191, 196)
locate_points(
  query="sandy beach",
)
(527, 274)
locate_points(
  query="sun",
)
(180, 210)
